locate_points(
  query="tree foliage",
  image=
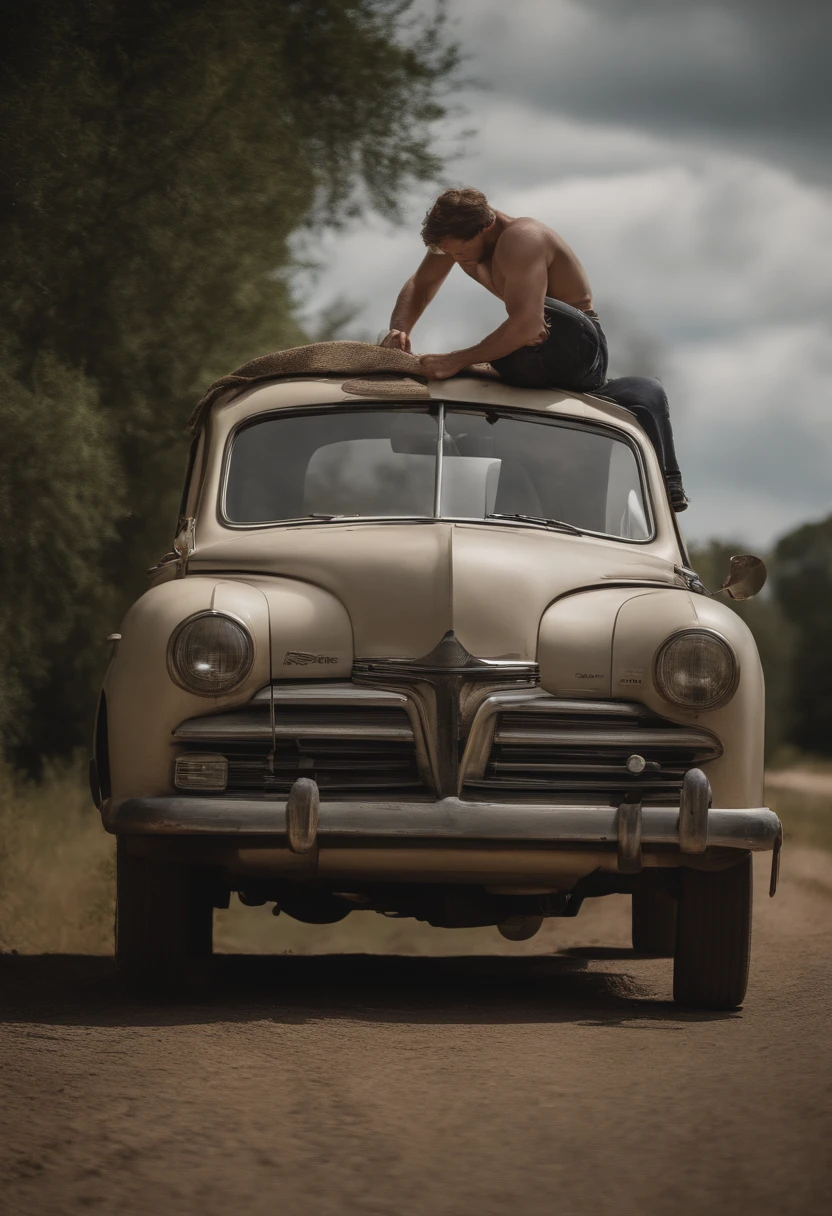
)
(60, 495)
(772, 631)
(155, 158)
(792, 625)
(803, 587)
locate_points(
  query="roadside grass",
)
(57, 884)
(806, 817)
(57, 865)
(57, 879)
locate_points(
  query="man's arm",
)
(414, 298)
(522, 258)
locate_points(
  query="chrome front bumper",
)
(455, 840)
(449, 819)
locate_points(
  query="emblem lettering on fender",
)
(589, 675)
(634, 675)
(302, 658)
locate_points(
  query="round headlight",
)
(696, 669)
(210, 654)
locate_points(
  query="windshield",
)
(388, 463)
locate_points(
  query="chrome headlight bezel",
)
(730, 684)
(180, 676)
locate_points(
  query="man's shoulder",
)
(526, 233)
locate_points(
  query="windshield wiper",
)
(558, 524)
(314, 517)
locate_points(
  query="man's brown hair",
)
(459, 213)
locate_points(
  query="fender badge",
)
(301, 658)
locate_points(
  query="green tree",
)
(803, 590)
(155, 158)
(773, 633)
(60, 492)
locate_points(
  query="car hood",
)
(405, 585)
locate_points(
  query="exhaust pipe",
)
(520, 928)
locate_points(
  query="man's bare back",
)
(566, 278)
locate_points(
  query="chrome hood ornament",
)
(450, 657)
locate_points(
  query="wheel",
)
(713, 937)
(654, 922)
(164, 917)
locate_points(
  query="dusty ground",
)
(527, 1084)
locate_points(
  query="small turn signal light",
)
(201, 771)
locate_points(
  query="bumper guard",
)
(304, 820)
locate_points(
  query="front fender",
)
(300, 631)
(641, 627)
(144, 704)
(602, 643)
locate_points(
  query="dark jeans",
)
(574, 358)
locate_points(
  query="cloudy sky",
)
(683, 150)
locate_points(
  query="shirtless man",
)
(551, 338)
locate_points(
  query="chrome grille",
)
(353, 739)
(345, 738)
(580, 748)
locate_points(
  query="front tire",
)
(713, 937)
(164, 918)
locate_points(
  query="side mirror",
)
(747, 576)
(183, 544)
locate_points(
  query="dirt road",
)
(530, 1084)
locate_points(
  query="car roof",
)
(299, 392)
(340, 372)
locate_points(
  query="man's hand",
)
(397, 339)
(441, 367)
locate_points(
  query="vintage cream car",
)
(431, 651)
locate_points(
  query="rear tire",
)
(713, 937)
(654, 922)
(164, 917)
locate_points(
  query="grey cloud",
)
(525, 146)
(733, 72)
(757, 480)
(778, 454)
(747, 10)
